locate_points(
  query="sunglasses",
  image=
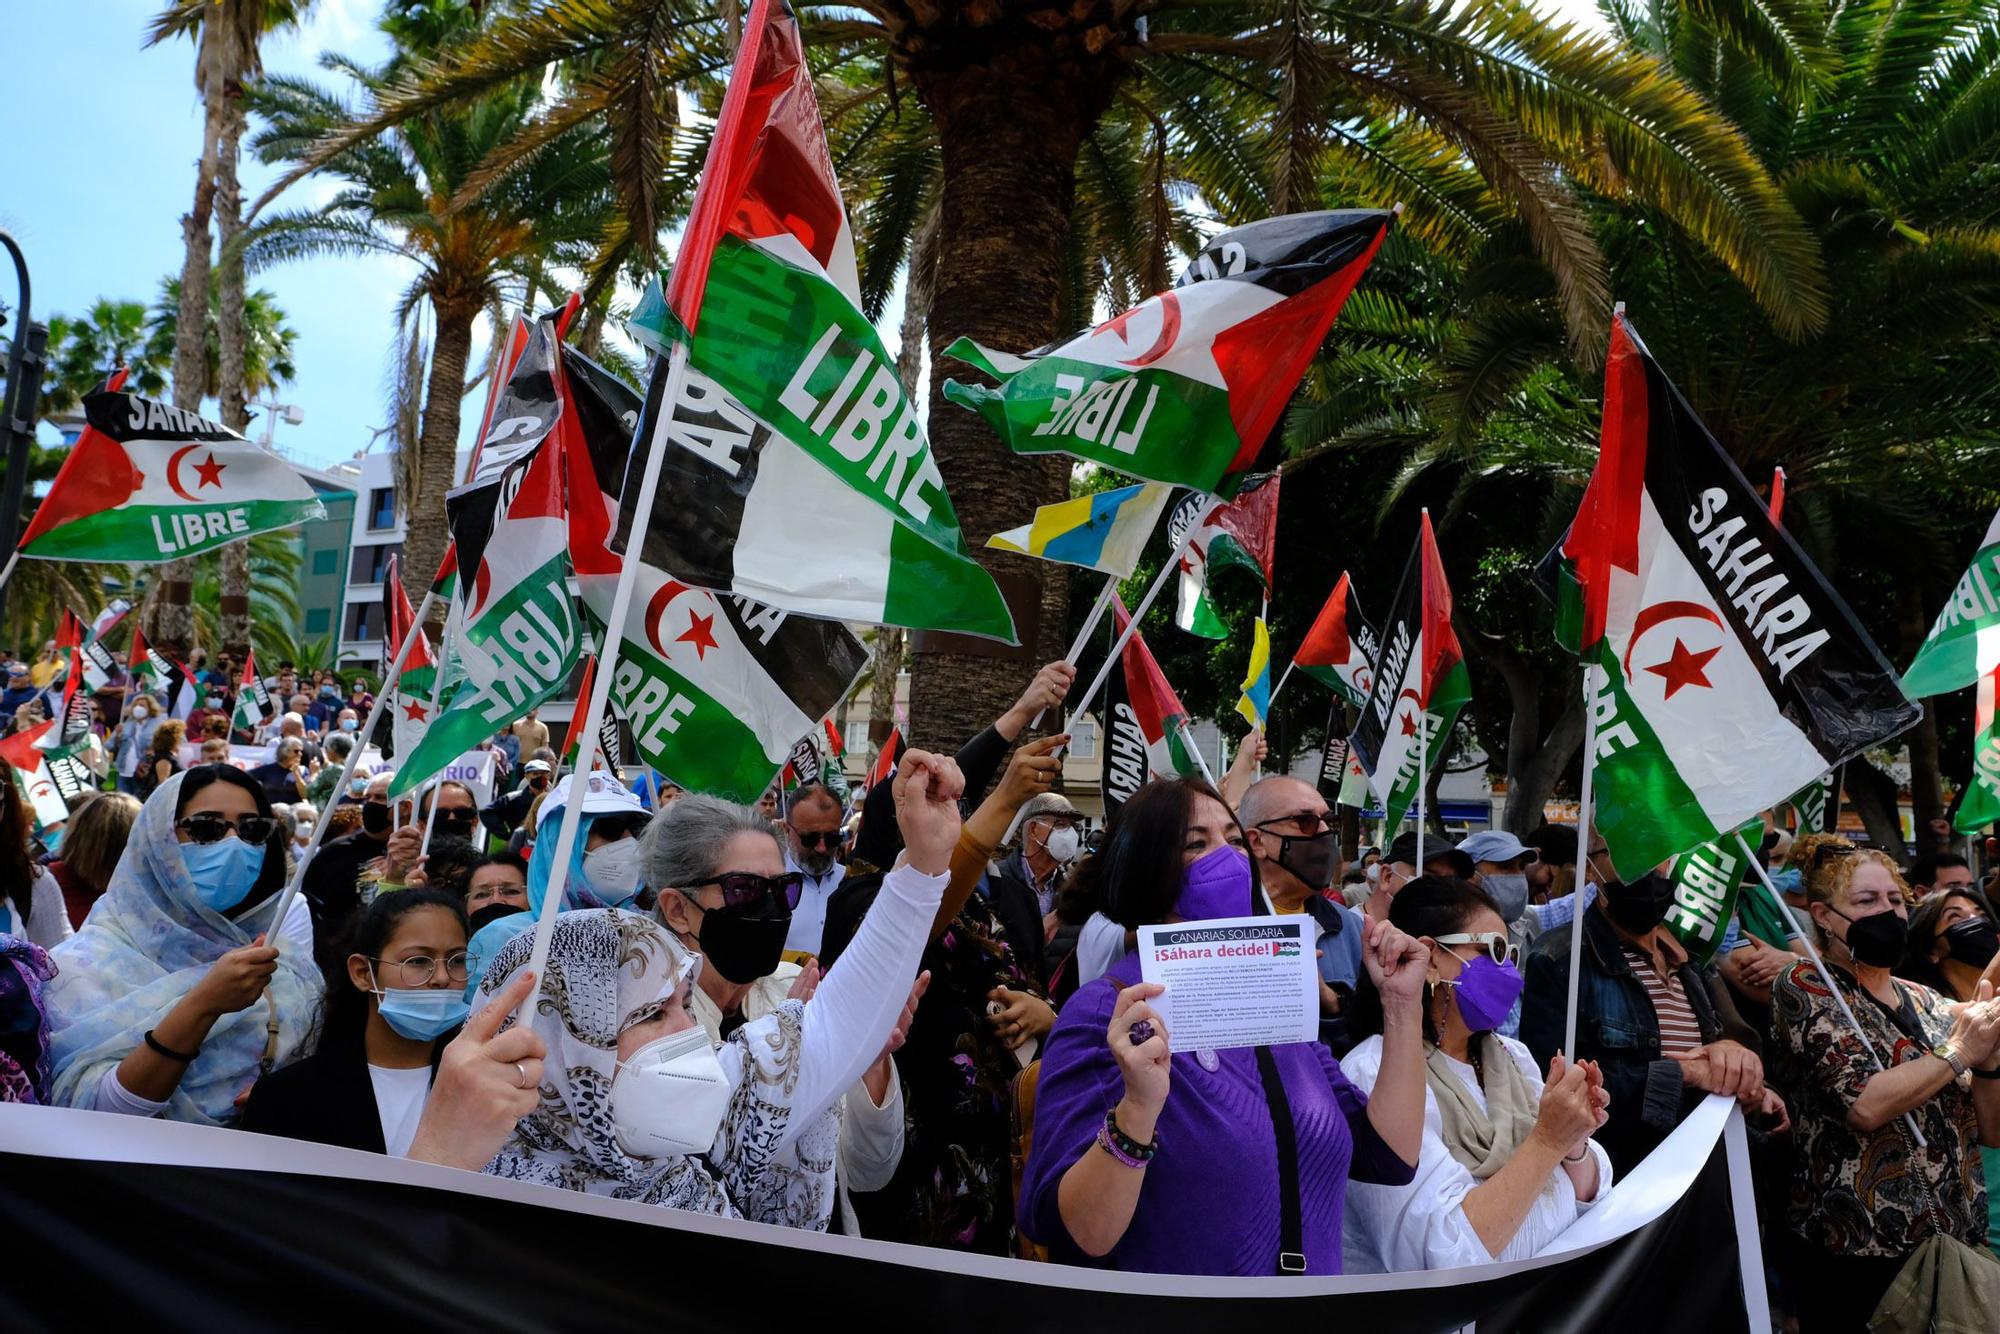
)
(1828, 851)
(829, 840)
(208, 827)
(1498, 947)
(1313, 822)
(742, 889)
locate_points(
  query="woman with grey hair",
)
(616, 1090)
(743, 977)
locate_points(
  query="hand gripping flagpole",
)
(1076, 647)
(1172, 563)
(1590, 673)
(298, 879)
(1819, 965)
(607, 668)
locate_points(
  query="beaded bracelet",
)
(1122, 1146)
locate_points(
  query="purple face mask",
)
(1216, 884)
(1486, 993)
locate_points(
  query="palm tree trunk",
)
(234, 604)
(171, 627)
(892, 641)
(437, 447)
(1010, 120)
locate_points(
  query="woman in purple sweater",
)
(1208, 1162)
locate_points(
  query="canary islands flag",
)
(1256, 700)
(1106, 531)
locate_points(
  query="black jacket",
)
(1020, 912)
(332, 890)
(327, 1098)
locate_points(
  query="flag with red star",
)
(1419, 685)
(411, 700)
(1238, 534)
(1730, 674)
(147, 482)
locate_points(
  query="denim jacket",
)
(1617, 1028)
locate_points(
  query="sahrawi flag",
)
(1186, 386)
(410, 704)
(1420, 685)
(149, 482)
(1967, 630)
(1980, 806)
(1238, 534)
(1706, 882)
(1339, 651)
(28, 766)
(796, 471)
(183, 689)
(253, 699)
(1730, 674)
(516, 631)
(1145, 732)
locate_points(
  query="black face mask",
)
(1877, 939)
(375, 817)
(1973, 941)
(1639, 905)
(1312, 859)
(742, 947)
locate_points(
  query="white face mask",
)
(140, 711)
(670, 1098)
(1063, 843)
(612, 871)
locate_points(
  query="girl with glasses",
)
(171, 999)
(382, 1031)
(1507, 1161)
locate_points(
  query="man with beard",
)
(1296, 846)
(1663, 1032)
(813, 840)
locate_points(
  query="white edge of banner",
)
(61, 1132)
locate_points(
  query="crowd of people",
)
(917, 1014)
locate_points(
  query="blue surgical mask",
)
(423, 1013)
(224, 871)
(349, 724)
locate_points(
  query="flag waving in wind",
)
(1967, 630)
(253, 699)
(1239, 534)
(1186, 386)
(1145, 722)
(410, 706)
(149, 482)
(1339, 651)
(1254, 695)
(796, 471)
(1420, 685)
(1979, 807)
(1729, 673)
(1104, 531)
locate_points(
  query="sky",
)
(93, 186)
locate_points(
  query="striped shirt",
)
(1679, 1030)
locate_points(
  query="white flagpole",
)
(1743, 1206)
(7, 570)
(607, 664)
(1172, 563)
(291, 888)
(1590, 671)
(437, 695)
(1423, 778)
(1283, 677)
(1097, 610)
(1819, 965)
(1201, 761)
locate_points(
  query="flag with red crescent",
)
(1730, 673)
(1339, 650)
(147, 482)
(1186, 386)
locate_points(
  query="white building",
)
(379, 529)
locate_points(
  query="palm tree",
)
(1019, 104)
(227, 35)
(401, 196)
(269, 343)
(85, 349)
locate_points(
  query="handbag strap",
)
(1291, 1227)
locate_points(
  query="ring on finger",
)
(521, 1070)
(1141, 1032)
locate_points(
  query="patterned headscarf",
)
(146, 944)
(609, 970)
(24, 1027)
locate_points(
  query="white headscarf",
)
(608, 971)
(148, 941)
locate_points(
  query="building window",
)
(382, 508)
(325, 561)
(1083, 739)
(317, 620)
(364, 622)
(371, 564)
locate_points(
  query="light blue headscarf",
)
(148, 941)
(490, 939)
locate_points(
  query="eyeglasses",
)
(1498, 948)
(830, 839)
(209, 827)
(1313, 822)
(741, 889)
(419, 969)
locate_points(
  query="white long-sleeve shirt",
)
(48, 916)
(1386, 1229)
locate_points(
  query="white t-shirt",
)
(399, 1099)
(809, 918)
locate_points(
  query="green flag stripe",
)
(1707, 882)
(685, 734)
(1645, 810)
(930, 586)
(1949, 658)
(145, 534)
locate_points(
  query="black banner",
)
(122, 1222)
(1126, 765)
(804, 760)
(1333, 763)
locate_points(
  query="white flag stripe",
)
(805, 535)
